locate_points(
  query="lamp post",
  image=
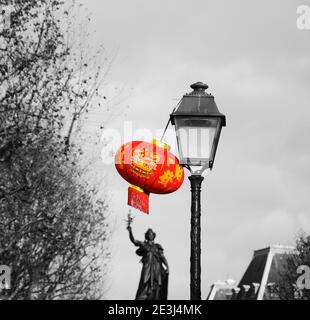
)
(198, 125)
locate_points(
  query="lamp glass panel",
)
(195, 138)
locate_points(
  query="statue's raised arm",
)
(132, 239)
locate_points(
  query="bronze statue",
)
(153, 283)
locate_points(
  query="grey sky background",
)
(257, 64)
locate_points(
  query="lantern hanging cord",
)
(167, 125)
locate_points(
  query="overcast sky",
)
(257, 64)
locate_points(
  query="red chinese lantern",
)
(149, 168)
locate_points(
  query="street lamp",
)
(198, 125)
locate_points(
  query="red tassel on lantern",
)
(138, 199)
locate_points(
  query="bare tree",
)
(53, 226)
(286, 287)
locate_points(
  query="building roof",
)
(261, 274)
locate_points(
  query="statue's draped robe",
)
(153, 283)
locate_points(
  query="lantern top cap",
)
(199, 89)
(199, 86)
(198, 104)
(161, 144)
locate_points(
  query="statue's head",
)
(150, 235)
